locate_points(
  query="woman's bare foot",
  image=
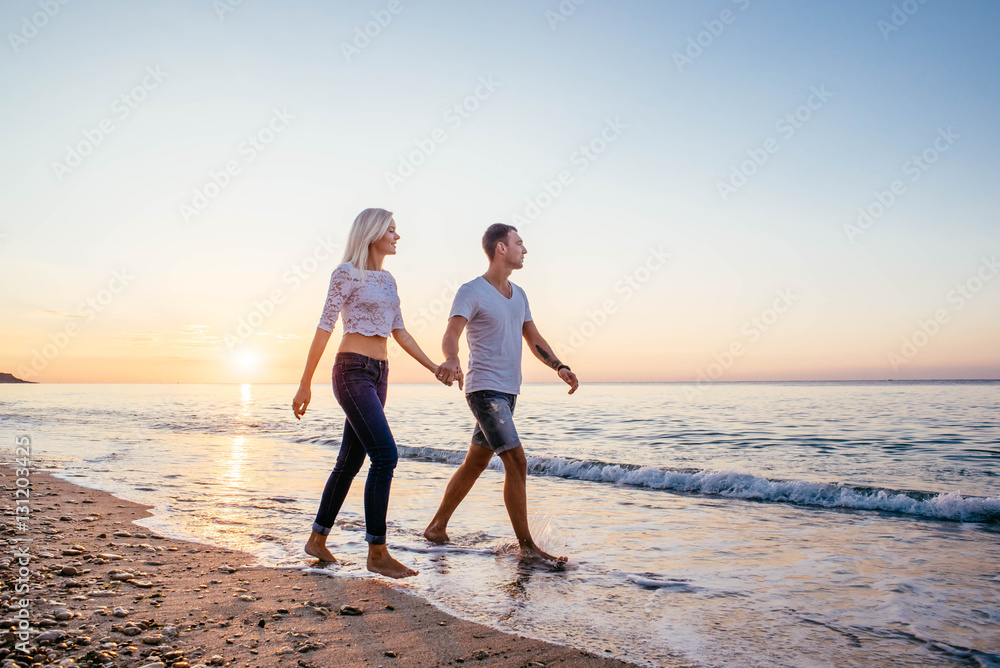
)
(316, 547)
(379, 561)
(436, 534)
(533, 554)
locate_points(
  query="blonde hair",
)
(367, 228)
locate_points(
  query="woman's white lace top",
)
(370, 305)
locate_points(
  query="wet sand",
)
(106, 592)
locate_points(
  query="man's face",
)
(515, 250)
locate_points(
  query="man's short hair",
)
(495, 233)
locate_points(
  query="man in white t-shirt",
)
(497, 316)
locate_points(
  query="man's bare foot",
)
(314, 548)
(435, 534)
(379, 561)
(533, 554)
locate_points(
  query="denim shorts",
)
(494, 413)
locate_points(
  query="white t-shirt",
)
(493, 333)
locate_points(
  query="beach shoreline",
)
(184, 604)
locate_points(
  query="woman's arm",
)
(409, 344)
(304, 394)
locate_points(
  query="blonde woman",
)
(366, 296)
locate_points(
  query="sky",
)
(708, 191)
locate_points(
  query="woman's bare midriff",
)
(372, 346)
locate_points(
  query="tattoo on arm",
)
(549, 359)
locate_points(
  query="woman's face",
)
(386, 244)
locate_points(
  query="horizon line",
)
(596, 382)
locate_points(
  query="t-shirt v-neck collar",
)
(494, 288)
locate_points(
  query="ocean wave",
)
(735, 484)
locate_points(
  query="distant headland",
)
(10, 378)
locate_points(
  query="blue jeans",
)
(359, 384)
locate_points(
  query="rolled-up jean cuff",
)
(375, 540)
(325, 531)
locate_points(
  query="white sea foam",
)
(743, 485)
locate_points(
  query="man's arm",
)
(543, 351)
(451, 369)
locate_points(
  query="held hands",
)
(450, 371)
(301, 400)
(569, 378)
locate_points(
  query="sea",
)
(733, 524)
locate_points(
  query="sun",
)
(247, 361)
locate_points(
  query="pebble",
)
(120, 575)
(119, 612)
(109, 556)
(122, 534)
(351, 610)
(154, 639)
(131, 630)
(142, 584)
(48, 636)
(68, 571)
(216, 660)
(62, 614)
(480, 654)
(155, 664)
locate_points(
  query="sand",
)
(106, 592)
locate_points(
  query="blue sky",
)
(555, 87)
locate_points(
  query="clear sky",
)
(707, 190)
